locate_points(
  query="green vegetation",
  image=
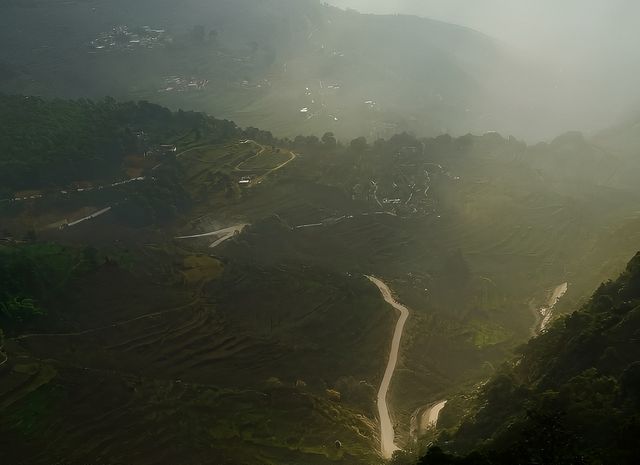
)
(176, 289)
(264, 161)
(186, 356)
(48, 143)
(189, 423)
(32, 274)
(469, 233)
(572, 396)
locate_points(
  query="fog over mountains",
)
(285, 232)
(587, 47)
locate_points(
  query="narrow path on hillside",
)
(259, 179)
(260, 152)
(387, 432)
(78, 190)
(292, 156)
(105, 327)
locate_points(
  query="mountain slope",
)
(573, 395)
(232, 343)
(262, 63)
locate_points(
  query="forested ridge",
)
(573, 395)
(51, 142)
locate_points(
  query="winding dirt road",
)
(223, 234)
(259, 179)
(543, 315)
(260, 152)
(430, 416)
(105, 327)
(387, 433)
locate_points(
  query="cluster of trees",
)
(573, 397)
(49, 143)
(156, 202)
(53, 142)
(402, 141)
(327, 141)
(29, 275)
(34, 277)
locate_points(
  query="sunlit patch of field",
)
(265, 161)
(202, 159)
(201, 269)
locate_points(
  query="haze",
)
(590, 47)
(282, 232)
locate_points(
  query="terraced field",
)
(232, 375)
(518, 231)
(213, 351)
(265, 161)
(150, 420)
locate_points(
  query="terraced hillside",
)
(492, 233)
(222, 346)
(497, 233)
(199, 375)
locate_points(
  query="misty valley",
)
(278, 232)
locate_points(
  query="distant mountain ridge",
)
(288, 66)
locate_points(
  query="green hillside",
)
(208, 284)
(288, 66)
(282, 232)
(570, 397)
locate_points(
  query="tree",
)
(312, 141)
(631, 382)
(90, 255)
(329, 140)
(435, 456)
(299, 141)
(359, 145)
(20, 309)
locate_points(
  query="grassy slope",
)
(175, 362)
(550, 404)
(494, 231)
(520, 230)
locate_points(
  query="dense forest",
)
(49, 143)
(33, 273)
(573, 395)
